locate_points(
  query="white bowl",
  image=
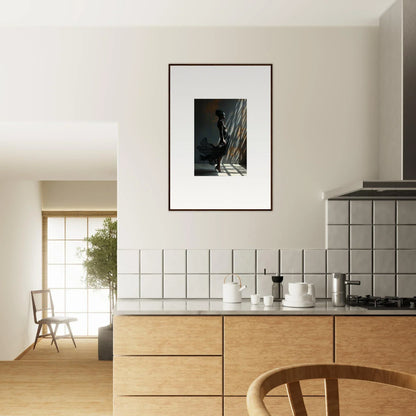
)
(298, 288)
(298, 299)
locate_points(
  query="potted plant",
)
(101, 272)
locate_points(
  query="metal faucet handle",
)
(352, 282)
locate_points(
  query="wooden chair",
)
(42, 302)
(330, 373)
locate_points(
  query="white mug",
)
(268, 300)
(255, 299)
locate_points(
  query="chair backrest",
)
(330, 373)
(42, 303)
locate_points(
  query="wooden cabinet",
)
(255, 344)
(159, 360)
(378, 341)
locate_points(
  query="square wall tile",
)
(221, 261)
(384, 261)
(360, 261)
(337, 261)
(337, 212)
(151, 261)
(291, 261)
(128, 286)
(406, 236)
(174, 286)
(250, 282)
(406, 286)
(174, 261)
(290, 279)
(406, 212)
(337, 236)
(314, 261)
(361, 212)
(319, 280)
(215, 284)
(198, 286)
(384, 212)
(361, 236)
(197, 261)
(264, 284)
(151, 286)
(384, 236)
(127, 261)
(244, 261)
(406, 261)
(364, 288)
(267, 260)
(384, 285)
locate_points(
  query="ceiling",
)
(58, 151)
(192, 12)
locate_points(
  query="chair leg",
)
(37, 335)
(54, 333)
(69, 328)
(53, 336)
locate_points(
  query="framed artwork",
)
(220, 137)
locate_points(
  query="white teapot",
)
(231, 291)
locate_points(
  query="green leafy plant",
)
(101, 260)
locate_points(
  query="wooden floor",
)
(44, 382)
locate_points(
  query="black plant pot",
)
(105, 343)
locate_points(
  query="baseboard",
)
(24, 352)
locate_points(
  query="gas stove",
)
(387, 302)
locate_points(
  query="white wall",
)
(21, 264)
(324, 118)
(79, 195)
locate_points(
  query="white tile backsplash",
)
(151, 286)
(314, 261)
(250, 282)
(221, 261)
(267, 260)
(264, 284)
(244, 261)
(174, 261)
(361, 212)
(319, 280)
(215, 283)
(198, 286)
(128, 261)
(128, 286)
(174, 286)
(291, 261)
(197, 261)
(151, 261)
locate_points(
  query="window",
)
(64, 237)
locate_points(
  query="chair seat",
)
(57, 320)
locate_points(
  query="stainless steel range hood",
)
(397, 115)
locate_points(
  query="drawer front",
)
(181, 376)
(236, 406)
(167, 406)
(379, 341)
(253, 345)
(167, 335)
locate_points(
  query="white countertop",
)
(217, 307)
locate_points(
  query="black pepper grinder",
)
(277, 288)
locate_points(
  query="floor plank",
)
(44, 382)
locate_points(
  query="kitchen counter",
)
(217, 307)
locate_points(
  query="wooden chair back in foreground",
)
(291, 376)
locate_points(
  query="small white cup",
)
(255, 299)
(311, 291)
(268, 300)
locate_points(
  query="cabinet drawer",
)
(181, 376)
(253, 345)
(378, 341)
(167, 406)
(167, 335)
(236, 406)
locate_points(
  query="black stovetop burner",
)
(388, 302)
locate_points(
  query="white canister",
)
(231, 291)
